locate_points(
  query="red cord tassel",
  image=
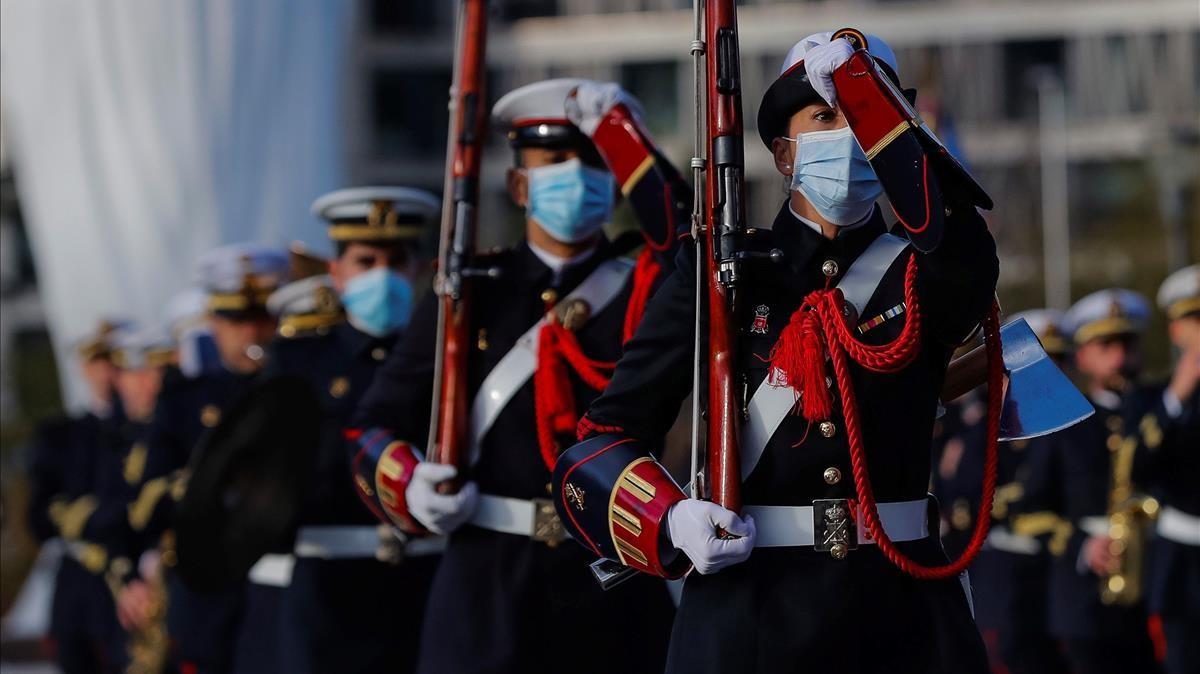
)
(553, 398)
(800, 356)
(559, 348)
(644, 274)
(553, 395)
(862, 481)
(588, 370)
(819, 325)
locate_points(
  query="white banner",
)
(143, 133)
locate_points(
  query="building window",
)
(524, 9)
(389, 16)
(408, 112)
(1021, 61)
(655, 84)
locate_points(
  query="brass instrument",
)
(1130, 516)
(149, 646)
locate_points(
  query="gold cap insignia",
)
(1115, 310)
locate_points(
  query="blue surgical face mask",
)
(569, 200)
(833, 173)
(378, 302)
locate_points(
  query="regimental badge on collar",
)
(759, 326)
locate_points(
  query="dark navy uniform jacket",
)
(62, 458)
(352, 615)
(1010, 587)
(73, 459)
(1069, 476)
(793, 609)
(1168, 464)
(501, 602)
(959, 440)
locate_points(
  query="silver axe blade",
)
(1039, 399)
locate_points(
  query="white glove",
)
(440, 513)
(692, 526)
(820, 62)
(150, 564)
(591, 101)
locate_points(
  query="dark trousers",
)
(1132, 653)
(501, 603)
(1030, 653)
(1183, 645)
(256, 650)
(354, 616)
(203, 626)
(87, 638)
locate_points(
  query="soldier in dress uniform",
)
(187, 322)
(68, 455)
(508, 597)
(1168, 463)
(192, 352)
(141, 357)
(355, 598)
(766, 599)
(238, 280)
(1009, 578)
(959, 439)
(1071, 480)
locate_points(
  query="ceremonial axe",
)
(1038, 398)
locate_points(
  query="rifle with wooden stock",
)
(719, 221)
(456, 251)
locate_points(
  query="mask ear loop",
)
(788, 181)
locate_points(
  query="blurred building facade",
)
(21, 315)
(1129, 71)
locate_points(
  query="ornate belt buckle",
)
(547, 528)
(834, 529)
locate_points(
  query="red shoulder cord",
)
(819, 325)
(558, 349)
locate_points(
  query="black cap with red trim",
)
(792, 92)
